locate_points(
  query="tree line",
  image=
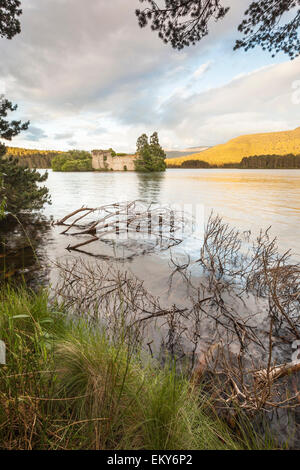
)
(271, 161)
(290, 161)
(19, 152)
(150, 157)
(74, 160)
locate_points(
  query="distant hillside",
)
(183, 153)
(279, 143)
(32, 158)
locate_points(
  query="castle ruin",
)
(104, 160)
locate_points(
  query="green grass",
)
(66, 386)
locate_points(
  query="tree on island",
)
(151, 156)
(74, 160)
(184, 22)
(19, 190)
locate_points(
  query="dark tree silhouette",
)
(9, 23)
(264, 25)
(184, 22)
(9, 27)
(9, 129)
(19, 187)
(181, 22)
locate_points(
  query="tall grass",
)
(29, 330)
(66, 386)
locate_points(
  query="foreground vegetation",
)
(77, 376)
(67, 386)
(20, 188)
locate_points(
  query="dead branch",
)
(277, 372)
(149, 226)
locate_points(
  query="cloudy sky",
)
(87, 76)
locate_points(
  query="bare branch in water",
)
(241, 317)
(147, 225)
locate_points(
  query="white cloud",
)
(201, 70)
(257, 102)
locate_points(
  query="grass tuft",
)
(66, 386)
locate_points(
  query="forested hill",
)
(271, 143)
(32, 158)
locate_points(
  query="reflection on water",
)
(22, 248)
(150, 185)
(247, 199)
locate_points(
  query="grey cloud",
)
(92, 61)
(97, 131)
(63, 135)
(73, 56)
(34, 134)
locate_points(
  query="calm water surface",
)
(247, 199)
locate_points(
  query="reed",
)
(67, 386)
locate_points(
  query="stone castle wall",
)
(104, 161)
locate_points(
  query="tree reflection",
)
(149, 186)
(21, 248)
